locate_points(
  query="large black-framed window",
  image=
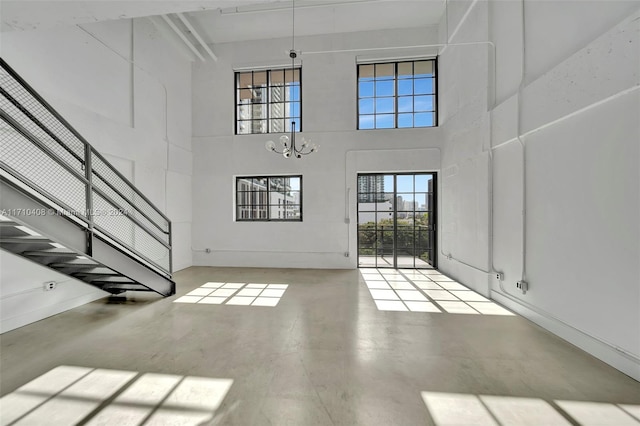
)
(268, 101)
(394, 95)
(269, 198)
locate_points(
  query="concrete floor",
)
(325, 355)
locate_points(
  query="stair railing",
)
(42, 152)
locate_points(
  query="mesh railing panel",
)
(43, 172)
(107, 173)
(128, 207)
(14, 89)
(128, 233)
(75, 160)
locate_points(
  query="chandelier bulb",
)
(270, 146)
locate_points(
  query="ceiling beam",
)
(171, 37)
(187, 24)
(184, 38)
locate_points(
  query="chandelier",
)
(288, 143)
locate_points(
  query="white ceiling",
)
(221, 21)
(313, 17)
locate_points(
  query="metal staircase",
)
(63, 206)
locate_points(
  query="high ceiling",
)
(221, 21)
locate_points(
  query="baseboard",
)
(40, 313)
(604, 352)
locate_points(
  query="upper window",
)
(261, 198)
(397, 95)
(268, 101)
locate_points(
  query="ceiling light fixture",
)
(288, 143)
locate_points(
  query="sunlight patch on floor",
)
(240, 294)
(425, 290)
(470, 409)
(70, 395)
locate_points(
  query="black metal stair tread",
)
(125, 287)
(113, 280)
(23, 239)
(75, 263)
(52, 252)
(4, 223)
(97, 271)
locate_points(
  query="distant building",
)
(371, 189)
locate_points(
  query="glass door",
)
(396, 220)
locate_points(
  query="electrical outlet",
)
(346, 254)
(207, 250)
(50, 285)
(523, 285)
(500, 276)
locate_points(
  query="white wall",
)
(577, 113)
(138, 116)
(23, 299)
(329, 105)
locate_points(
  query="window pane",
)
(421, 202)
(384, 71)
(277, 94)
(259, 184)
(277, 125)
(405, 184)
(259, 94)
(405, 87)
(293, 93)
(405, 70)
(424, 86)
(259, 78)
(423, 103)
(384, 88)
(276, 110)
(405, 120)
(244, 112)
(384, 121)
(258, 111)
(384, 105)
(277, 77)
(366, 106)
(365, 89)
(405, 104)
(424, 119)
(294, 183)
(293, 212)
(244, 80)
(277, 212)
(365, 71)
(292, 123)
(292, 76)
(258, 126)
(293, 111)
(423, 69)
(423, 183)
(366, 122)
(244, 95)
(244, 127)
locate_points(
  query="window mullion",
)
(268, 103)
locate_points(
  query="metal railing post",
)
(88, 172)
